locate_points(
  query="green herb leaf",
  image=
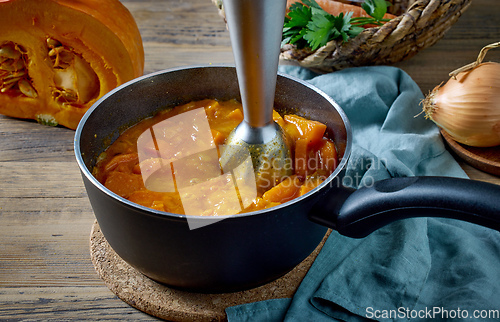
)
(355, 31)
(299, 16)
(319, 30)
(297, 20)
(376, 8)
(308, 25)
(312, 4)
(344, 25)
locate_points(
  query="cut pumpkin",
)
(57, 57)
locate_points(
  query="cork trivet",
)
(171, 304)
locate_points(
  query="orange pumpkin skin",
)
(101, 34)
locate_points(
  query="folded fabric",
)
(422, 269)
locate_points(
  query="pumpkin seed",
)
(11, 80)
(8, 51)
(61, 57)
(65, 96)
(8, 65)
(69, 96)
(66, 57)
(18, 65)
(55, 51)
(12, 65)
(26, 88)
(51, 43)
(5, 88)
(17, 74)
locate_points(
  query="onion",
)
(467, 107)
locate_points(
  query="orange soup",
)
(170, 162)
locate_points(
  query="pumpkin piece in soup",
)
(259, 204)
(301, 157)
(301, 128)
(278, 119)
(286, 190)
(328, 156)
(162, 201)
(321, 157)
(236, 115)
(310, 183)
(214, 197)
(311, 149)
(225, 117)
(127, 160)
(124, 183)
(219, 138)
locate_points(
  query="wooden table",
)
(45, 216)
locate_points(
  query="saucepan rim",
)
(87, 173)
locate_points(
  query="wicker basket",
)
(418, 25)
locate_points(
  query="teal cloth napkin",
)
(420, 269)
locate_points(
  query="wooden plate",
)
(485, 159)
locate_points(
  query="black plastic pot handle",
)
(358, 213)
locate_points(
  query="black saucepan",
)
(250, 249)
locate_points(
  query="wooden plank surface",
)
(45, 217)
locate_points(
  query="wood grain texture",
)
(45, 217)
(485, 159)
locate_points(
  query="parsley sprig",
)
(308, 25)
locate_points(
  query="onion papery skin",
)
(468, 107)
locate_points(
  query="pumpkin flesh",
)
(65, 56)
